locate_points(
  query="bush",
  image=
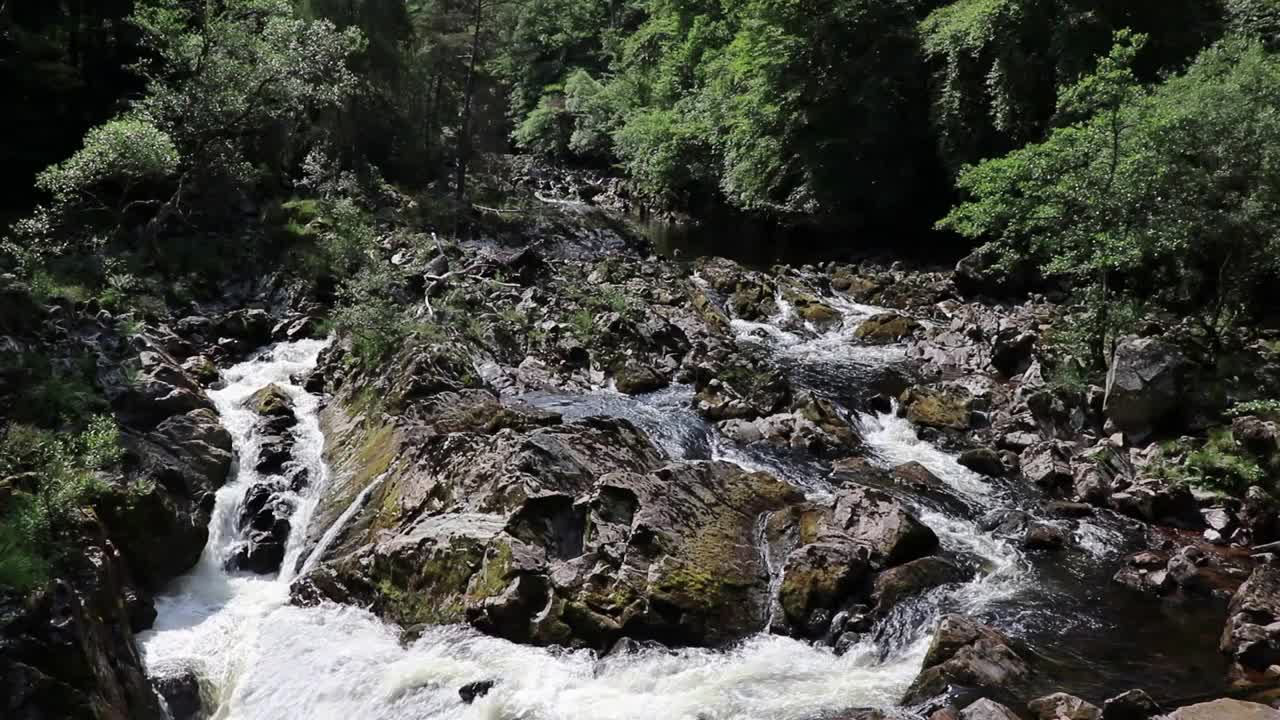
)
(55, 476)
(1217, 463)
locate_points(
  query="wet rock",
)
(202, 369)
(1251, 638)
(939, 406)
(67, 649)
(1225, 709)
(159, 390)
(271, 401)
(984, 461)
(882, 525)
(1259, 437)
(1159, 502)
(1130, 705)
(986, 709)
(635, 379)
(1066, 509)
(819, 576)
(1260, 516)
(175, 470)
(1011, 351)
(1047, 465)
(886, 328)
(913, 578)
(251, 327)
(473, 690)
(1043, 536)
(1006, 522)
(1061, 706)
(1146, 387)
(965, 653)
(181, 693)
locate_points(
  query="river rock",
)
(1251, 638)
(252, 327)
(67, 651)
(913, 578)
(635, 379)
(1047, 464)
(986, 709)
(1259, 437)
(1146, 387)
(181, 693)
(1225, 709)
(967, 654)
(1061, 706)
(886, 328)
(881, 524)
(1044, 536)
(984, 461)
(819, 576)
(159, 389)
(671, 551)
(473, 690)
(1156, 501)
(174, 470)
(939, 406)
(1130, 705)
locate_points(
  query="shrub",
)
(62, 477)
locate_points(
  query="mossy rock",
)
(886, 328)
(271, 401)
(939, 407)
(819, 575)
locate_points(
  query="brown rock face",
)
(967, 654)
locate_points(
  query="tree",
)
(230, 87)
(1167, 198)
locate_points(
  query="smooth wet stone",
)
(473, 690)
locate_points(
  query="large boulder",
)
(939, 406)
(67, 651)
(174, 471)
(967, 654)
(574, 534)
(913, 578)
(1061, 706)
(158, 388)
(1146, 387)
(886, 328)
(820, 576)
(1251, 638)
(1225, 709)
(987, 709)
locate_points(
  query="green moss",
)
(493, 576)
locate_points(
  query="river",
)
(259, 658)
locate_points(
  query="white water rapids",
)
(260, 658)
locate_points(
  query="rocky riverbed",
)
(628, 486)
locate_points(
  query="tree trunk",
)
(464, 131)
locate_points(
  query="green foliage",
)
(1264, 408)
(1166, 196)
(1216, 463)
(124, 152)
(226, 85)
(57, 475)
(50, 393)
(546, 130)
(370, 316)
(997, 64)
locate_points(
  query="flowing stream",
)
(260, 658)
